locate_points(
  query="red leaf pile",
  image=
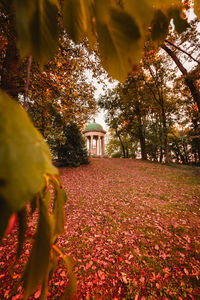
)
(132, 228)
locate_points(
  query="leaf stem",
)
(56, 249)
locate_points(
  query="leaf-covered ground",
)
(133, 229)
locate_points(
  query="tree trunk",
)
(140, 133)
(186, 155)
(182, 158)
(165, 135)
(143, 146)
(199, 155)
(127, 153)
(142, 139)
(161, 154)
(179, 155)
(10, 72)
(195, 157)
(177, 152)
(10, 68)
(190, 82)
(196, 141)
(155, 154)
(122, 145)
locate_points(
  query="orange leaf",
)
(37, 294)
(11, 223)
(186, 271)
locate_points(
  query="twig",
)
(27, 82)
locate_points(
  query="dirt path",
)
(133, 229)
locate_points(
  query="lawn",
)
(133, 230)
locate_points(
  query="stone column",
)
(102, 146)
(91, 145)
(96, 147)
(99, 148)
(89, 139)
(97, 152)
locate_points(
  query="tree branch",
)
(190, 82)
(175, 59)
(178, 48)
(151, 90)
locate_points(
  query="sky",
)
(99, 117)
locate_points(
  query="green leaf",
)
(75, 19)
(58, 209)
(69, 262)
(160, 24)
(78, 20)
(142, 11)
(53, 262)
(119, 37)
(33, 205)
(24, 158)
(37, 267)
(44, 289)
(22, 219)
(180, 23)
(164, 5)
(71, 289)
(5, 214)
(197, 8)
(37, 28)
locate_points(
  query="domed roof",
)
(94, 127)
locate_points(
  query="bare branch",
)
(178, 48)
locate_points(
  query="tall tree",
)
(61, 93)
(157, 77)
(189, 119)
(72, 151)
(183, 49)
(126, 110)
(189, 79)
(136, 108)
(9, 57)
(125, 146)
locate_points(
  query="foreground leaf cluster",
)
(26, 175)
(119, 27)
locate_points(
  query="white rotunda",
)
(95, 135)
